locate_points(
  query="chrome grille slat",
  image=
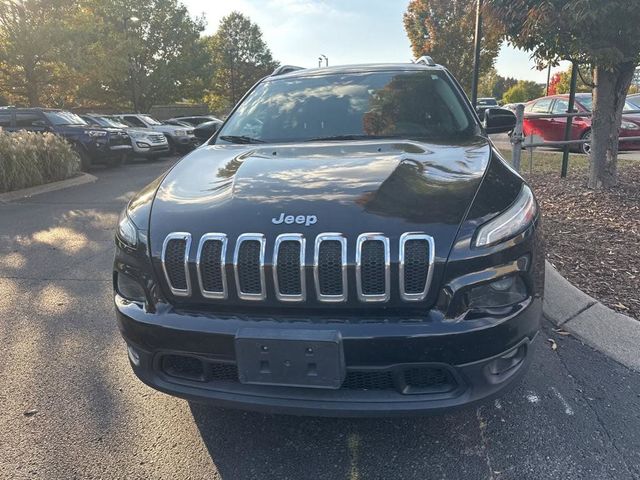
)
(331, 266)
(372, 266)
(373, 260)
(176, 270)
(412, 266)
(211, 265)
(248, 273)
(289, 267)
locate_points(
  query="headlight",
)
(137, 135)
(96, 133)
(509, 223)
(180, 133)
(127, 230)
(629, 126)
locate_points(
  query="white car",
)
(180, 138)
(145, 143)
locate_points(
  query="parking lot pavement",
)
(71, 407)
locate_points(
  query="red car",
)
(552, 129)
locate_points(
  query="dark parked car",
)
(552, 129)
(348, 243)
(482, 104)
(195, 120)
(93, 144)
(205, 130)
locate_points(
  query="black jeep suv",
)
(93, 145)
(349, 242)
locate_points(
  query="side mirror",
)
(499, 120)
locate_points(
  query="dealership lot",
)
(73, 409)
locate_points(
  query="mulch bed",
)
(593, 237)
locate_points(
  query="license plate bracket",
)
(293, 358)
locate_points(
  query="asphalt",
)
(72, 408)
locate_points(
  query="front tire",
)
(585, 147)
(85, 159)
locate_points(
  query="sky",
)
(346, 31)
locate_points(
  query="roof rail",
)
(282, 69)
(426, 60)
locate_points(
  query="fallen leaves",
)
(593, 238)
(554, 345)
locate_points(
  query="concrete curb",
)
(47, 187)
(614, 334)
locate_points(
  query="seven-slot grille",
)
(372, 266)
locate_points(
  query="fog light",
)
(506, 362)
(499, 293)
(133, 355)
(130, 289)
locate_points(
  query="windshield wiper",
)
(240, 139)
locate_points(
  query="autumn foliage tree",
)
(444, 29)
(601, 34)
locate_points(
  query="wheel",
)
(172, 146)
(85, 159)
(586, 147)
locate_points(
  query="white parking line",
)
(567, 408)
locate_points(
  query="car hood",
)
(372, 186)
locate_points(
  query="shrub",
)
(28, 159)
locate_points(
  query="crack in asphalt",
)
(630, 468)
(482, 424)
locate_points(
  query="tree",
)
(33, 38)
(141, 53)
(581, 31)
(561, 81)
(523, 91)
(492, 84)
(239, 58)
(444, 29)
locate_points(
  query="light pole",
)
(476, 54)
(131, 66)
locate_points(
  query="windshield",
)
(64, 118)
(150, 120)
(421, 105)
(109, 122)
(587, 103)
(487, 101)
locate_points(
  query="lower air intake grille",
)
(429, 378)
(369, 380)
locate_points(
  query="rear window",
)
(417, 104)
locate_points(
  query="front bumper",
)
(465, 351)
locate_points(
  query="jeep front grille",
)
(175, 262)
(289, 263)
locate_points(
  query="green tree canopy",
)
(141, 53)
(597, 33)
(523, 91)
(492, 84)
(444, 29)
(34, 41)
(239, 58)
